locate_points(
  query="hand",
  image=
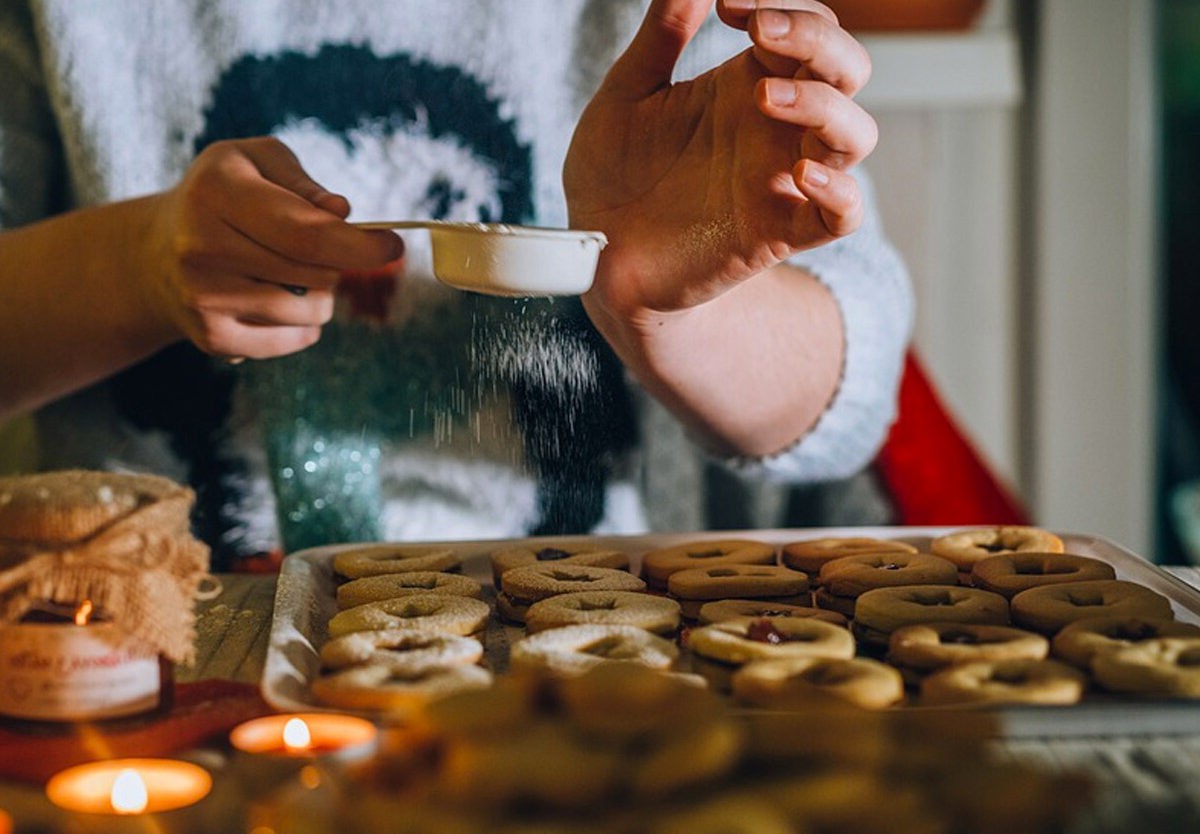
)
(247, 249)
(702, 184)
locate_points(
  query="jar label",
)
(64, 672)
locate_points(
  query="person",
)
(165, 215)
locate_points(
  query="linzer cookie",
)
(521, 587)
(572, 650)
(727, 609)
(658, 565)
(718, 650)
(966, 547)
(376, 559)
(773, 583)
(809, 555)
(393, 585)
(843, 580)
(507, 558)
(649, 611)
(426, 612)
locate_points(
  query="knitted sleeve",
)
(873, 292)
(29, 146)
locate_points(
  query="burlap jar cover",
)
(121, 541)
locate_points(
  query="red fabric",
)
(933, 473)
(34, 752)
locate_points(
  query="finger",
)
(838, 132)
(648, 62)
(737, 13)
(250, 299)
(236, 253)
(256, 341)
(279, 164)
(786, 42)
(281, 221)
(833, 195)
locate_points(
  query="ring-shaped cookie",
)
(425, 612)
(1078, 642)
(649, 611)
(376, 559)
(522, 587)
(879, 612)
(926, 646)
(519, 556)
(790, 682)
(392, 585)
(407, 649)
(1005, 682)
(810, 555)
(380, 687)
(742, 639)
(1010, 573)
(1167, 666)
(850, 576)
(1050, 607)
(966, 547)
(727, 609)
(574, 649)
(695, 586)
(658, 565)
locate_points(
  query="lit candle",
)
(305, 735)
(129, 787)
(6, 823)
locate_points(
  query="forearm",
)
(748, 372)
(73, 307)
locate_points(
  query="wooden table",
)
(1146, 783)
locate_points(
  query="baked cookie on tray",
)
(694, 587)
(519, 556)
(652, 612)
(522, 587)
(375, 559)
(658, 565)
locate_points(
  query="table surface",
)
(1147, 783)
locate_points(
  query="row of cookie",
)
(402, 640)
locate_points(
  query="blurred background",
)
(1039, 168)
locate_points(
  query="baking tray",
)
(305, 601)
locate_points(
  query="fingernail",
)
(741, 5)
(780, 91)
(773, 24)
(814, 175)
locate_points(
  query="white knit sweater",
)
(411, 108)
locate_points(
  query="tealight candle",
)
(305, 735)
(129, 787)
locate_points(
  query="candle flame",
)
(83, 613)
(296, 735)
(129, 793)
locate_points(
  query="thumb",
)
(650, 58)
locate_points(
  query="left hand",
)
(703, 184)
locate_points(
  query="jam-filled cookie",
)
(376, 559)
(507, 558)
(522, 587)
(772, 583)
(658, 565)
(649, 611)
(966, 547)
(810, 555)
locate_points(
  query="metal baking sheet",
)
(305, 601)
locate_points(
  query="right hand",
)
(244, 225)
